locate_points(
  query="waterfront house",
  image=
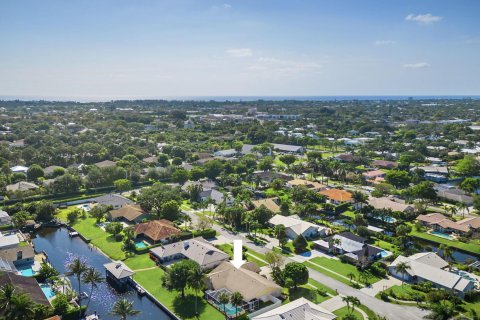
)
(18, 255)
(118, 273)
(429, 267)
(252, 286)
(157, 230)
(439, 222)
(116, 201)
(9, 241)
(294, 226)
(128, 213)
(26, 285)
(196, 249)
(455, 195)
(300, 309)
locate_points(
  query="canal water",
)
(458, 256)
(60, 249)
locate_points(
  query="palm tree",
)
(7, 292)
(196, 281)
(453, 210)
(77, 268)
(441, 311)
(337, 242)
(462, 207)
(92, 277)
(447, 254)
(22, 308)
(236, 299)
(223, 299)
(351, 301)
(359, 197)
(351, 275)
(402, 268)
(123, 308)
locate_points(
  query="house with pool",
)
(156, 231)
(130, 214)
(40, 294)
(226, 278)
(196, 249)
(429, 267)
(444, 227)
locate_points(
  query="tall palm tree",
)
(402, 268)
(223, 299)
(77, 268)
(7, 293)
(351, 275)
(447, 254)
(453, 210)
(196, 281)
(237, 300)
(462, 207)
(123, 308)
(351, 301)
(92, 277)
(22, 308)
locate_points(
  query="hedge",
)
(73, 314)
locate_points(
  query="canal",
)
(60, 249)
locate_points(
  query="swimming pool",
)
(442, 235)
(26, 270)
(140, 245)
(384, 254)
(230, 309)
(47, 291)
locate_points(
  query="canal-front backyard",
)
(147, 274)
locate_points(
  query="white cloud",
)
(240, 52)
(418, 65)
(427, 18)
(226, 6)
(384, 42)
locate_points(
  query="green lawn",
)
(327, 273)
(183, 307)
(251, 257)
(306, 292)
(349, 214)
(472, 246)
(385, 245)
(342, 268)
(321, 286)
(101, 239)
(342, 312)
(141, 261)
(404, 292)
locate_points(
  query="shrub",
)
(118, 237)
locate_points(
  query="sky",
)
(126, 49)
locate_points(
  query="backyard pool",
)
(230, 309)
(47, 291)
(26, 270)
(141, 245)
(442, 235)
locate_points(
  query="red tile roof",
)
(157, 229)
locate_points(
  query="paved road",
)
(391, 311)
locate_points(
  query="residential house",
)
(286, 148)
(128, 213)
(21, 186)
(266, 177)
(105, 164)
(337, 196)
(374, 174)
(5, 218)
(440, 223)
(252, 286)
(188, 124)
(26, 285)
(389, 204)
(21, 169)
(216, 196)
(294, 226)
(455, 195)
(196, 249)
(351, 246)
(157, 230)
(305, 183)
(269, 203)
(385, 164)
(116, 201)
(150, 160)
(429, 267)
(49, 171)
(300, 309)
(18, 255)
(9, 241)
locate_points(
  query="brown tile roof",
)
(474, 222)
(431, 217)
(28, 285)
(129, 212)
(385, 164)
(157, 229)
(269, 203)
(373, 174)
(337, 195)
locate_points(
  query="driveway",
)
(381, 285)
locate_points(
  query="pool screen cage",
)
(212, 296)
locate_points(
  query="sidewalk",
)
(381, 285)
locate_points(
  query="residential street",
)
(391, 311)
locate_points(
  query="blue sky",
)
(102, 49)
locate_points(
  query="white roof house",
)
(300, 309)
(10, 241)
(19, 169)
(4, 217)
(386, 203)
(119, 269)
(429, 267)
(295, 226)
